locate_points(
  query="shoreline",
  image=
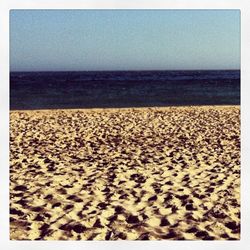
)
(127, 108)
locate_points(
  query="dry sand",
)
(146, 174)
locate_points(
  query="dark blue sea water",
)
(49, 90)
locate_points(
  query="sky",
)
(54, 40)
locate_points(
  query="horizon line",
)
(126, 70)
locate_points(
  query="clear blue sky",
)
(124, 39)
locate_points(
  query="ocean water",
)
(51, 90)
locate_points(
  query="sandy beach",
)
(125, 174)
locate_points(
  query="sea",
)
(117, 89)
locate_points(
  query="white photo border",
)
(7, 5)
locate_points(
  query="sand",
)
(125, 174)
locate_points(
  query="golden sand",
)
(134, 174)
